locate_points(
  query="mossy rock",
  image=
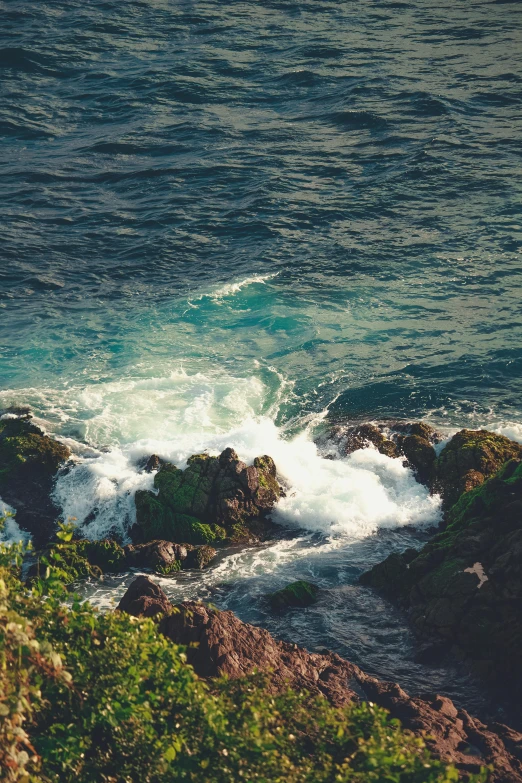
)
(465, 585)
(29, 461)
(167, 557)
(78, 559)
(299, 593)
(213, 499)
(157, 520)
(471, 457)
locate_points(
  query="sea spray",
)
(354, 496)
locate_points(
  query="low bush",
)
(90, 697)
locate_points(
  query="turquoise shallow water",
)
(226, 224)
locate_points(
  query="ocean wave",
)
(229, 289)
(183, 414)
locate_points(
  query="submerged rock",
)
(29, 461)
(299, 593)
(465, 585)
(214, 498)
(218, 643)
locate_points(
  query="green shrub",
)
(104, 698)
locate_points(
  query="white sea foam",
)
(229, 289)
(511, 430)
(10, 532)
(179, 415)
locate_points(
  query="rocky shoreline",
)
(218, 643)
(461, 592)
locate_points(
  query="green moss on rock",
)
(29, 461)
(300, 593)
(213, 499)
(469, 459)
(465, 585)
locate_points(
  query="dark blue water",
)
(367, 152)
(222, 220)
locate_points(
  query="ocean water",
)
(231, 224)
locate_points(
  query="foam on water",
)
(10, 532)
(180, 414)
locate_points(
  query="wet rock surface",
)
(166, 556)
(29, 461)
(411, 440)
(213, 499)
(465, 462)
(300, 594)
(218, 643)
(465, 586)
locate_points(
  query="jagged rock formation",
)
(465, 585)
(411, 440)
(218, 643)
(470, 457)
(29, 461)
(214, 498)
(165, 557)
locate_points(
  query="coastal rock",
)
(465, 585)
(411, 440)
(420, 455)
(219, 643)
(143, 598)
(299, 593)
(153, 463)
(165, 557)
(468, 460)
(361, 436)
(29, 461)
(214, 498)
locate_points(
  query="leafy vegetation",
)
(97, 697)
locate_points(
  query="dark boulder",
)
(213, 499)
(361, 436)
(165, 557)
(299, 593)
(143, 598)
(465, 586)
(29, 461)
(218, 643)
(199, 557)
(153, 463)
(411, 440)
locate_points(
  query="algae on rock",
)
(465, 585)
(213, 499)
(29, 461)
(469, 459)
